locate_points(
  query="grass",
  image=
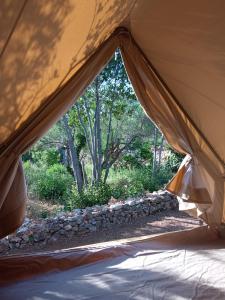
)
(37, 209)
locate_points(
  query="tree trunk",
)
(90, 138)
(154, 167)
(107, 156)
(85, 178)
(160, 151)
(98, 134)
(76, 166)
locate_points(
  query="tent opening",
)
(104, 157)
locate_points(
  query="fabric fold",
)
(12, 186)
(199, 180)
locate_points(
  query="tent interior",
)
(174, 54)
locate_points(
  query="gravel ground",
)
(154, 224)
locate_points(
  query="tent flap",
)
(57, 104)
(201, 180)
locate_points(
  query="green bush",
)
(131, 183)
(55, 184)
(173, 161)
(125, 188)
(48, 157)
(50, 183)
(93, 195)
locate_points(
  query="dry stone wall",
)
(91, 219)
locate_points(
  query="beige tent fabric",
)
(184, 40)
(13, 188)
(11, 177)
(199, 179)
(42, 44)
(50, 50)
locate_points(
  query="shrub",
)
(173, 160)
(93, 195)
(130, 183)
(48, 157)
(37, 209)
(50, 183)
(55, 184)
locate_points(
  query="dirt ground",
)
(154, 224)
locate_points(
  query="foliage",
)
(92, 195)
(105, 146)
(56, 185)
(37, 209)
(50, 183)
(138, 155)
(173, 160)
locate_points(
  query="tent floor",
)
(181, 265)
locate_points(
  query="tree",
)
(101, 113)
(103, 126)
(76, 165)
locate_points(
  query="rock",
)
(39, 236)
(77, 211)
(75, 228)
(117, 206)
(68, 227)
(4, 246)
(84, 221)
(131, 202)
(15, 239)
(112, 201)
(25, 238)
(53, 239)
(78, 220)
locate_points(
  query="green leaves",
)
(49, 183)
(114, 142)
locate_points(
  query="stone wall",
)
(84, 221)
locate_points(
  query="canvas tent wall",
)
(174, 55)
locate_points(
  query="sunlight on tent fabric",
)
(51, 42)
(168, 266)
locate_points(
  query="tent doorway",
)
(103, 154)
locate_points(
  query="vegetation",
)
(104, 147)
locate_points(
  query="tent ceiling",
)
(185, 42)
(51, 41)
(183, 39)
